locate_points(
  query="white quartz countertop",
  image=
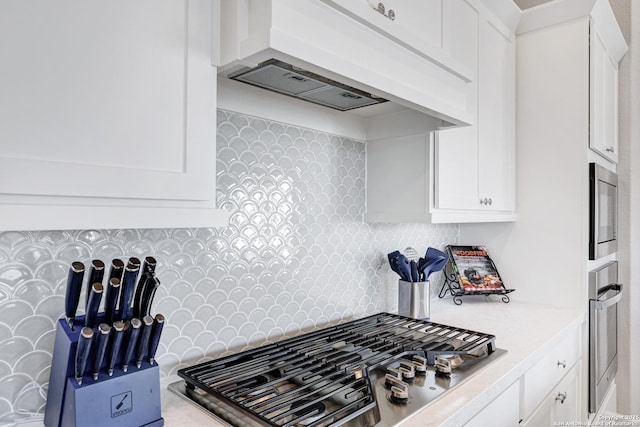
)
(520, 328)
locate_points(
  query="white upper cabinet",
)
(605, 46)
(474, 167)
(107, 114)
(603, 99)
(469, 176)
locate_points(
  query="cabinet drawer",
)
(549, 371)
(562, 405)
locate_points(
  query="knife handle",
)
(93, 304)
(126, 291)
(131, 342)
(156, 332)
(111, 300)
(150, 289)
(72, 293)
(140, 290)
(116, 270)
(101, 348)
(143, 342)
(82, 352)
(135, 262)
(96, 274)
(114, 351)
(149, 265)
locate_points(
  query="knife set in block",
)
(103, 371)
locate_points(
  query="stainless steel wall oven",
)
(603, 211)
(604, 295)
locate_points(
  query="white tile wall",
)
(295, 256)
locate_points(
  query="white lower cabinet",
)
(562, 405)
(549, 393)
(502, 411)
(551, 389)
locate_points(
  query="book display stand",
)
(470, 271)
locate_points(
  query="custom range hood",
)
(320, 52)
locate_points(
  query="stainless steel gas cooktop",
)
(375, 371)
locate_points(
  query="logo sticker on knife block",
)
(121, 404)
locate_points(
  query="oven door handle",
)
(604, 304)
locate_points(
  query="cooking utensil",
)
(96, 274)
(127, 288)
(111, 300)
(116, 342)
(393, 261)
(131, 342)
(434, 265)
(150, 289)
(82, 352)
(433, 253)
(101, 348)
(147, 270)
(72, 292)
(415, 277)
(93, 303)
(155, 337)
(143, 344)
(116, 270)
(404, 267)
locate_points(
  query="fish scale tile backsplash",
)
(295, 256)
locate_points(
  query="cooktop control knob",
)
(443, 366)
(420, 365)
(407, 370)
(399, 390)
(392, 374)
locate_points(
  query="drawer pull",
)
(563, 364)
(561, 397)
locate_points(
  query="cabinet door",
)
(456, 150)
(475, 166)
(107, 104)
(603, 99)
(496, 117)
(503, 411)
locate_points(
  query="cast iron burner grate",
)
(320, 378)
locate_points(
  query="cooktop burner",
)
(373, 371)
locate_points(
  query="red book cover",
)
(475, 269)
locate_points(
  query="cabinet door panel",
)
(107, 99)
(456, 150)
(496, 117)
(603, 99)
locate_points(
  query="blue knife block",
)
(124, 399)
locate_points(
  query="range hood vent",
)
(289, 80)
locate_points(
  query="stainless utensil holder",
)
(414, 299)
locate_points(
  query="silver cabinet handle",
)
(563, 363)
(383, 11)
(610, 149)
(561, 397)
